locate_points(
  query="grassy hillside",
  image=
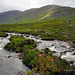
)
(49, 30)
(46, 13)
(8, 17)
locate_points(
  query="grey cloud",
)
(70, 3)
(6, 5)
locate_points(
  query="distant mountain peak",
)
(45, 13)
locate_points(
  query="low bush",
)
(29, 56)
(49, 65)
(3, 34)
(19, 43)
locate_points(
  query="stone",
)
(8, 56)
(69, 20)
(54, 52)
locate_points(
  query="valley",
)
(38, 40)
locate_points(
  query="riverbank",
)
(10, 64)
(57, 46)
(64, 49)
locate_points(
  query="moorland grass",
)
(49, 30)
(3, 34)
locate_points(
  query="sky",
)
(22, 5)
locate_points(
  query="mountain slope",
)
(8, 17)
(46, 13)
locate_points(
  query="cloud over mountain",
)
(6, 5)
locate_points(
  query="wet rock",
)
(36, 42)
(38, 37)
(62, 53)
(21, 73)
(20, 56)
(72, 49)
(1, 38)
(31, 37)
(54, 52)
(52, 45)
(65, 52)
(71, 45)
(64, 46)
(63, 32)
(70, 25)
(21, 35)
(69, 33)
(69, 21)
(71, 62)
(73, 53)
(49, 52)
(9, 56)
(27, 35)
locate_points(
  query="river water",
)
(10, 64)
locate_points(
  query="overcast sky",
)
(6, 5)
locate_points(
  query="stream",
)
(10, 64)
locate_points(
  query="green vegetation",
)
(45, 13)
(40, 61)
(19, 43)
(49, 30)
(3, 34)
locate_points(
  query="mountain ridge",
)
(45, 13)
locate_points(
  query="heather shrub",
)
(19, 44)
(45, 65)
(3, 34)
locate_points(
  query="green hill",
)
(45, 13)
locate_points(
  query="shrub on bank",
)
(19, 43)
(49, 65)
(3, 34)
(29, 56)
